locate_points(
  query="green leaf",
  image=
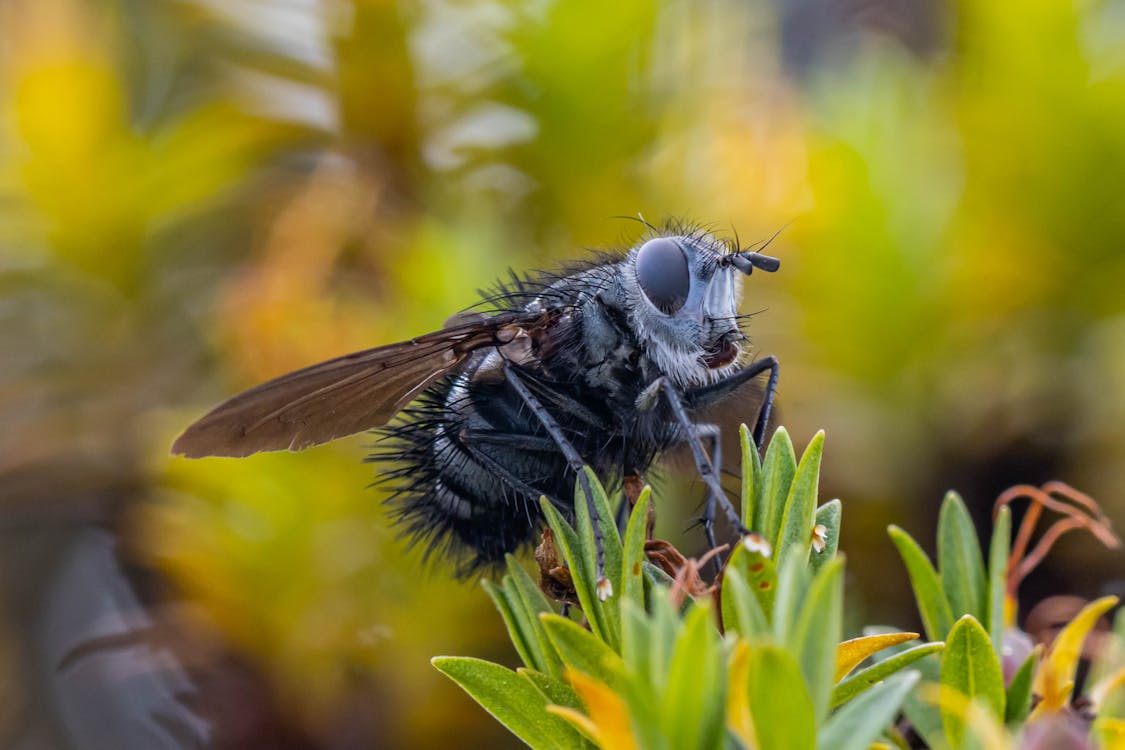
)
(514, 701)
(633, 560)
(582, 650)
(792, 584)
(1018, 701)
(636, 643)
(924, 715)
(998, 576)
(771, 493)
(532, 602)
(656, 575)
(795, 536)
(932, 604)
(742, 613)
(519, 630)
(665, 627)
(581, 567)
(694, 701)
(607, 613)
(879, 671)
(779, 701)
(751, 475)
(970, 667)
(818, 629)
(554, 689)
(828, 516)
(759, 573)
(960, 561)
(860, 723)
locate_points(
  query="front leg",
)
(708, 395)
(714, 434)
(576, 464)
(692, 434)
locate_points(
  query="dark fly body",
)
(608, 364)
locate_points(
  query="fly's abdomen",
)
(462, 494)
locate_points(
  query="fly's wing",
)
(342, 396)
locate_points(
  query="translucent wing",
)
(342, 396)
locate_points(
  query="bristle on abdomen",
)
(443, 496)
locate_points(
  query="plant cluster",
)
(757, 659)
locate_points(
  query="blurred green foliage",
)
(196, 195)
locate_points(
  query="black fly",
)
(604, 364)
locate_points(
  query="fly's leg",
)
(712, 433)
(700, 398)
(574, 461)
(708, 470)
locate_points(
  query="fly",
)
(607, 363)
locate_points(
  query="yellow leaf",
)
(1110, 733)
(980, 719)
(1054, 679)
(739, 719)
(850, 653)
(577, 719)
(607, 720)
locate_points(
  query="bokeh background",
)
(196, 195)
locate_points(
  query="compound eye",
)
(662, 271)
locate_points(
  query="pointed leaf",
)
(795, 536)
(740, 722)
(998, 576)
(607, 613)
(691, 710)
(932, 604)
(664, 630)
(851, 652)
(924, 715)
(533, 602)
(1018, 702)
(770, 494)
(742, 613)
(881, 670)
(860, 723)
(816, 633)
(606, 720)
(553, 689)
(519, 631)
(827, 516)
(1054, 680)
(792, 585)
(635, 640)
(758, 572)
(582, 650)
(960, 561)
(751, 475)
(970, 668)
(779, 702)
(581, 567)
(633, 560)
(512, 700)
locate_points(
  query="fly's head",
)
(683, 292)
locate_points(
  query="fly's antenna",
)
(747, 260)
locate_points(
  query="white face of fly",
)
(683, 295)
